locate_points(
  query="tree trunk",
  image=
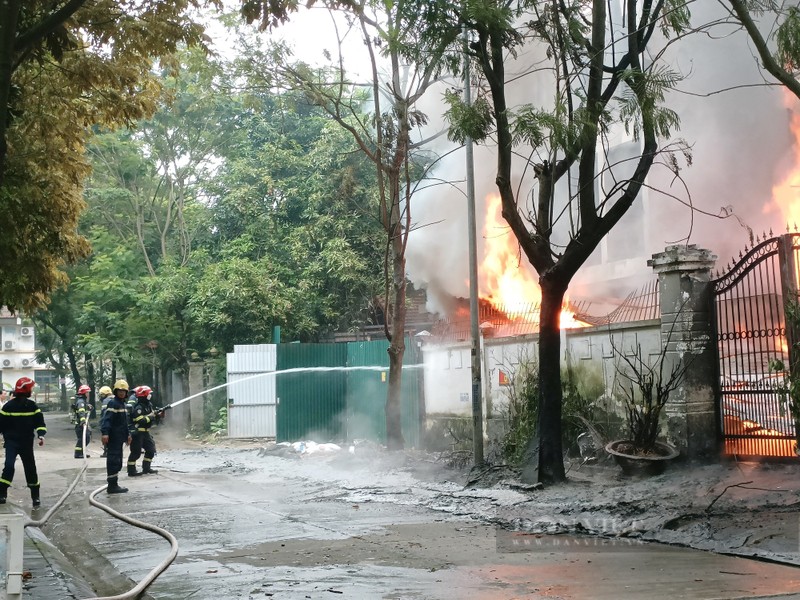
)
(551, 461)
(73, 366)
(64, 405)
(9, 14)
(397, 348)
(90, 380)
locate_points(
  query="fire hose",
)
(156, 571)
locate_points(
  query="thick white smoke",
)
(739, 138)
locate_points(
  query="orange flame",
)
(506, 283)
(786, 194)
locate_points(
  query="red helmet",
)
(83, 390)
(24, 385)
(143, 391)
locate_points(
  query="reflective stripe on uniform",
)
(13, 414)
(116, 410)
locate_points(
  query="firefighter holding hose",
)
(114, 428)
(82, 408)
(143, 417)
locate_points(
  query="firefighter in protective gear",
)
(114, 429)
(82, 409)
(105, 394)
(143, 417)
(20, 421)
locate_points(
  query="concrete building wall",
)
(17, 350)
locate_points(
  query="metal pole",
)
(477, 402)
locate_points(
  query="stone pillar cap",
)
(682, 258)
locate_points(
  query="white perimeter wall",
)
(448, 376)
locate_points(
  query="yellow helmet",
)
(121, 384)
(105, 391)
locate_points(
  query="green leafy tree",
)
(66, 66)
(295, 195)
(385, 136)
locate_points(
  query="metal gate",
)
(750, 314)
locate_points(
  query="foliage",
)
(224, 214)
(787, 38)
(789, 388)
(474, 121)
(523, 412)
(390, 32)
(219, 427)
(645, 389)
(779, 51)
(581, 389)
(63, 70)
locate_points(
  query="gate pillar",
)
(687, 333)
(196, 415)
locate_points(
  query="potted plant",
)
(645, 390)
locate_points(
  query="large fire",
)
(786, 194)
(505, 282)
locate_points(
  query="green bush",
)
(523, 411)
(581, 387)
(220, 426)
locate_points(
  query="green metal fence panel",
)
(311, 404)
(413, 409)
(366, 392)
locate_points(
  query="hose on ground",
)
(60, 501)
(160, 568)
(153, 575)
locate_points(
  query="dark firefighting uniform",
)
(21, 421)
(142, 418)
(82, 408)
(115, 426)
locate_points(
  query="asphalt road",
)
(252, 524)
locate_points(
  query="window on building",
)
(46, 381)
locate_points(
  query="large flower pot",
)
(640, 464)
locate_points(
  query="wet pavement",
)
(258, 524)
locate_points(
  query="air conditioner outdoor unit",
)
(26, 331)
(8, 345)
(8, 363)
(27, 362)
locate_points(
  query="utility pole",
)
(477, 401)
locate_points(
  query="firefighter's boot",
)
(35, 497)
(132, 472)
(114, 487)
(3, 492)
